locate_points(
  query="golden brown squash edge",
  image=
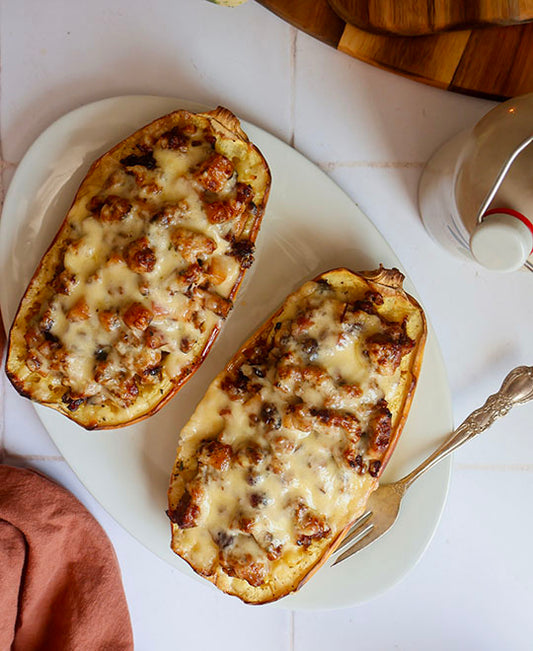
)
(227, 126)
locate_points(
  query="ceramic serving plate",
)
(310, 226)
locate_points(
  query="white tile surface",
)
(471, 590)
(354, 112)
(371, 131)
(58, 55)
(24, 434)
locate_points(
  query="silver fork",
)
(384, 504)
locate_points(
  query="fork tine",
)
(359, 544)
(358, 537)
(354, 530)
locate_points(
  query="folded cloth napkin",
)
(60, 583)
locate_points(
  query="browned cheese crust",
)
(289, 441)
(135, 287)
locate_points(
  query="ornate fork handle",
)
(516, 389)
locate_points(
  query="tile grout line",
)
(291, 632)
(2, 335)
(2, 413)
(292, 101)
(1, 141)
(496, 467)
(12, 456)
(331, 165)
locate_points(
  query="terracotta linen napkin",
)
(60, 583)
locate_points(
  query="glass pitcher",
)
(476, 191)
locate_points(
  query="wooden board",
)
(493, 62)
(422, 17)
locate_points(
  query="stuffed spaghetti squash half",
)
(134, 289)
(282, 453)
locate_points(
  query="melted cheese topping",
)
(147, 274)
(289, 440)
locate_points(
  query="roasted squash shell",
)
(130, 296)
(290, 439)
